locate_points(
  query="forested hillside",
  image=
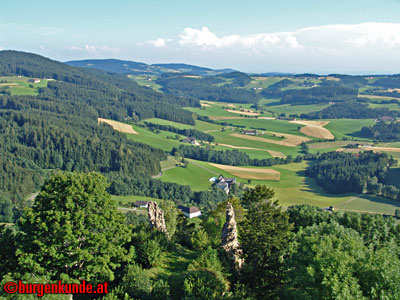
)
(57, 129)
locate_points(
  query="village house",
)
(249, 132)
(190, 140)
(34, 80)
(143, 204)
(190, 212)
(225, 183)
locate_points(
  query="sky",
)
(351, 36)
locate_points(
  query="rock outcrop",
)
(156, 217)
(229, 238)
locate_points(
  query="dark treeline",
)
(350, 110)
(205, 88)
(280, 84)
(110, 95)
(315, 95)
(388, 82)
(339, 172)
(183, 194)
(228, 157)
(186, 132)
(35, 141)
(345, 81)
(58, 130)
(383, 132)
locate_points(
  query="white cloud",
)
(95, 49)
(159, 43)
(353, 48)
(101, 49)
(329, 38)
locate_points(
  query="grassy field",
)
(19, 86)
(200, 125)
(268, 125)
(347, 127)
(391, 106)
(147, 81)
(295, 109)
(226, 138)
(156, 140)
(124, 200)
(370, 204)
(172, 267)
(170, 163)
(193, 175)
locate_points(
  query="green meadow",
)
(19, 86)
(347, 127)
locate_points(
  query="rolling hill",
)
(138, 68)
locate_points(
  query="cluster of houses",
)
(191, 140)
(252, 132)
(223, 183)
(189, 212)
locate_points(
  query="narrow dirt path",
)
(347, 201)
(200, 166)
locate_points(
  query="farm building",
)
(250, 132)
(34, 80)
(190, 212)
(144, 204)
(190, 140)
(225, 183)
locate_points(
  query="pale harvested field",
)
(118, 126)
(8, 84)
(312, 123)
(267, 118)
(205, 104)
(231, 105)
(246, 112)
(274, 153)
(318, 132)
(349, 150)
(315, 129)
(383, 149)
(271, 152)
(289, 141)
(192, 76)
(375, 97)
(324, 145)
(250, 173)
(261, 78)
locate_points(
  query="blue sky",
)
(322, 36)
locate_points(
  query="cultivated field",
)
(381, 149)
(315, 129)
(126, 128)
(250, 173)
(243, 112)
(288, 141)
(271, 152)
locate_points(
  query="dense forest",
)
(57, 129)
(186, 132)
(383, 132)
(208, 88)
(303, 252)
(350, 110)
(109, 95)
(339, 172)
(315, 95)
(227, 157)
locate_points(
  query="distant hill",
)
(138, 68)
